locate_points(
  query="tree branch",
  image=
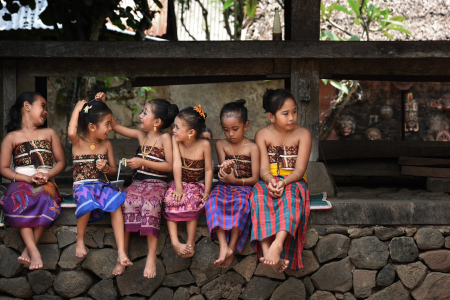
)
(184, 25)
(226, 15)
(205, 17)
(338, 27)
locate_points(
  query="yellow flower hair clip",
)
(87, 108)
(200, 111)
(123, 161)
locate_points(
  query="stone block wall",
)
(341, 262)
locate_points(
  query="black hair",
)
(273, 100)
(193, 120)
(97, 111)
(235, 109)
(208, 131)
(164, 110)
(15, 112)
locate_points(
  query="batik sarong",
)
(29, 205)
(142, 206)
(190, 207)
(98, 198)
(289, 213)
(228, 206)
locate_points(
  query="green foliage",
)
(86, 19)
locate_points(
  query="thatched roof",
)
(426, 20)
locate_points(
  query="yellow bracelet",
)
(14, 177)
(243, 181)
(265, 174)
(70, 125)
(264, 179)
(106, 171)
(298, 176)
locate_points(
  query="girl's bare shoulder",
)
(166, 137)
(204, 144)
(221, 143)
(263, 132)
(301, 131)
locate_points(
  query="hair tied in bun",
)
(241, 102)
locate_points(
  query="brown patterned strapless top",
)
(85, 168)
(283, 157)
(243, 167)
(193, 173)
(33, 153)
(156, 155)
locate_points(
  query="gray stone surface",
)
(11, 239)
(136, 298)
(387, 233)
(173, 262)
(202, 267)
(310, 265)
(109, 240)
(411, 275)
(181, 293)
(447, 242)
(322, 295)
(89, 241)
(178, 279)
(9, 265)
(194, 290)
(309, 286)
(161, 242)
(386, 276)
(435, 286)
(338, 229)
(349, 296)
(101, 262)
(332, 246)
(396, 291)
(319, 179)
(247, 249)
(259, 288)
(360, 232)
(311, 238)
(435, 184)
(132, 280)
(197, 297)
(162, 293)
(103, 290)
(363, 282)
(17, 287)
(40, 281)
(48, 237)
(247, 267)
(48, 297)
(137, 247)
(68, 260)
(429, 238)
(403, 249)
(334, 276)
(227, 286)
(266, 271)
(368, 253)
(50, 255)
(98, 236)
(437, 260)
(65, 237)
(70, 284)
(291, 288)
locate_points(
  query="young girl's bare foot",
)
(36, 260)
(118, 269)
(80, 249)
(190, 253)
(123, 259)
(225, 252)
(181, 249)
(272, 256)
(150, 267)
(281, 266)
(25, 257)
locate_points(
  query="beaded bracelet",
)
(106, 171)
(298, 176)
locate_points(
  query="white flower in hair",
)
(87, 108)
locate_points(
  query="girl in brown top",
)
(193, 174)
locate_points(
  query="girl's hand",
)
(43, 179)
(135, 162)
(101, 165)
(225, 177)
(177, 195)
(37, 179)
(79, 105)
(101, 97)
(205, 197)
(227, 165)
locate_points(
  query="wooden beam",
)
(9, 90)
(426, 171)
(165, 81)
(306, 72)
(305, 20)
(226, 49)
(423, 161)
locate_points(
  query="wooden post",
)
(9, 90)
(304, 83)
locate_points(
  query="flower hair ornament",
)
(87, 108)
(200, 111)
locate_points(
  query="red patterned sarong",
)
(187, 209)
(289, 213)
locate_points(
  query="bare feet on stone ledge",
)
(181, 249)
(36, 260)
(25, 257)
(80, 249)
(150, 267)
(225, 257)
(123, 259)
(190, 253)
(118, 269)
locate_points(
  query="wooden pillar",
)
(9, 90)
(304, 83)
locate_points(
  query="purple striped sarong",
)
(227, 207)
(98, 198)
(289, 213)
(27, 205)
(190, 207)
(142, 206)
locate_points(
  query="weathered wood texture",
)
(9, 90)
(305, 20)
(371, 149)
(426, 171)
(423, 161)
(242, 49)
(308, 113)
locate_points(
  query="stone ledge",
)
(349, 212)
